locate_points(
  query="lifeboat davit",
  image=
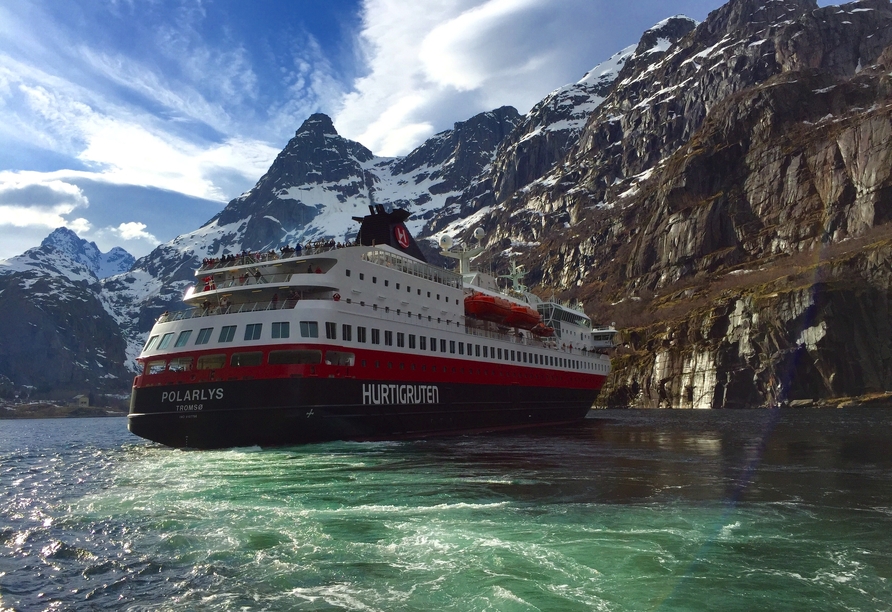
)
(523, 317)
(487, 307)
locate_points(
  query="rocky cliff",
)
(729, 205)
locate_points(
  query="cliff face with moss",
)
(729, 206)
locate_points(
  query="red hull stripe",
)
(383, 366)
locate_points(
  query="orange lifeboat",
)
(487, 307)
(542, 331)
(523, 317)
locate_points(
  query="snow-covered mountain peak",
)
(64, 253)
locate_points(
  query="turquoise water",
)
(637, 510)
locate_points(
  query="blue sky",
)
(133, 121)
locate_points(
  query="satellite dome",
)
(479, 233)
(445, 242)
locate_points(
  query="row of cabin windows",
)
(250, 358)
(253, 331)
(454, 347)
(408, 288)
(309, 357)
(310, 329)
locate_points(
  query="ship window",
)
(388, 337)
(443, 346)
(183, 338)
(252, 331)
(165, 340)
(376, 336)
(347, 332)
(411, 340)
(282, 329)
(156, 367)
(419, 292)
(211, 362)
(486, 351)
(361, 276)
(309, 329)
(204, 335)
(397, 286)
(433, 344)
(374, 279)
(387, 283)
(331, 330)
(227, 333)
(477, 349)
(348, 272)
(524, 357)
(151, 343)
(512, 356)
(428, 294)
(339, 358)
(295, 357)
(360, 334)
(254, 358)
(470, 346)
(422, 342)
(400, 339)
(180, 364)
(438, 296)
(461, 348)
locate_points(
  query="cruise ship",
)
(361, 341)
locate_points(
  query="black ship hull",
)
(288, 411)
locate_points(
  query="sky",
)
(133, 121)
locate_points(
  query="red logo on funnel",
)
(402, 236)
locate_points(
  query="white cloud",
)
(46, 205)
(134, 230)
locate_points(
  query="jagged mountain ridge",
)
(544, 136)
(64, 253)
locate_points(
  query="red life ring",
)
(336, 297)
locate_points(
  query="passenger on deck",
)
(291, 299)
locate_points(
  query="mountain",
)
(63, 253)
(57, 338)
(544, 136)
(721, 190)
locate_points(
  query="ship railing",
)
(218, 263)
(249, 279)
(220, 309)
